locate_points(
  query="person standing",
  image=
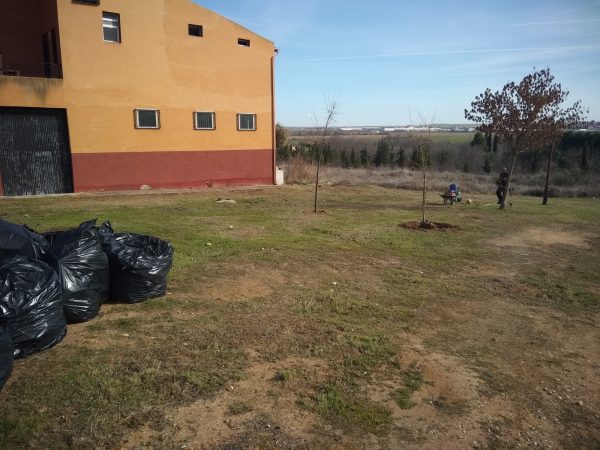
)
(502, 183)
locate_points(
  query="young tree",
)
(414, 162)
(479, 140)
(344, 160)
(422, 156)
(281, 136)
(441, 159)
(525, 114)
(353, 159)
(487, 168)
(364, 158)
(321, 143)
(400, 159)
(382, 156)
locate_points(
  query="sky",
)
(399, 62)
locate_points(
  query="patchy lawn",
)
(288, 329)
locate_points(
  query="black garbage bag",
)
(105, 231)
(31, 305)
(6, 354)
(82, 268)
(139, 266)
(18, 240)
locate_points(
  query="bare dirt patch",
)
(547, 236)
(530, 372)
(428, 226)
(447, 410)
(256, 412)
(253, 283)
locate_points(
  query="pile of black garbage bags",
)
(50, 280)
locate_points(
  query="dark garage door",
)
(35, 157)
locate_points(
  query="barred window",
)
(204, 120)
(246, 122)
(111, 27)
(147, 118)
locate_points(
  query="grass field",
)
(371, 140)
(287, 329)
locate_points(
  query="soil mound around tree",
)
(427, 225)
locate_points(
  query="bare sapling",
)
(422, 139)
(323, 133)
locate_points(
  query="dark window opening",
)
(244, 42)
(111, 27)
(246, 122)
(87, 2)
(46, 54)
(54, 45)
(204, 120)
(195, 30)
(52, 68)
(147, 118)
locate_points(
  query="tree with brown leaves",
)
(525, 115)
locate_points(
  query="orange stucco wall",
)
(157, 65)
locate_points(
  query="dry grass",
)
(299, 171)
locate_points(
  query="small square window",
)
(244, 42)
(246, 122)
(204, 120)
(111, 27)
(195, 30)
(147, 118)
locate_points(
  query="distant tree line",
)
(578, 151)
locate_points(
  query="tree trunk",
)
(317, 180)
(546, 187)
(584, 158)
(424, 192)
(507, 188)
(534, 161)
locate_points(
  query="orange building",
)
(114, 94)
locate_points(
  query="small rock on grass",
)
(226, 200)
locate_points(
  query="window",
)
(195, 30)
(87, 2)
(147, 118)
(244, 42)
(111, 27)
(246, 122)
(204, 120)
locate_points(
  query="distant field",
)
(453, 137)
(341, 330)
(372, 139)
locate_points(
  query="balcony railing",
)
(23, 68)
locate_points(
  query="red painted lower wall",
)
(121, 171)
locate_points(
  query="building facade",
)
(113, 94)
